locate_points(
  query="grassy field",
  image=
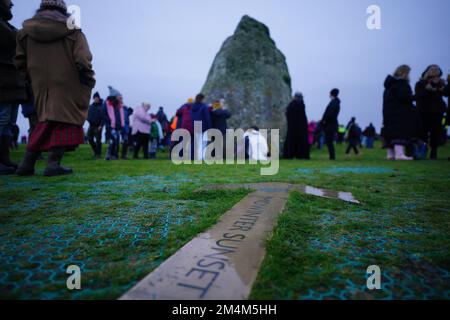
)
(119, 220)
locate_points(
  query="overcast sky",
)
(160, 51)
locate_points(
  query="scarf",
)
(112, 114)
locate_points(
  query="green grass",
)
(120, 220)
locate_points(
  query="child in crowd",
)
(155, 136)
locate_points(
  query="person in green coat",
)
(155, 137)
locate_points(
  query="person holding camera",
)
(430, 91)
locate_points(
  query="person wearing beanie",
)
(330, 123)
(95, 119)
(114, 92)
(184, 114)
(12, 87)
(116, 121)
(184, 120)
(62, 106)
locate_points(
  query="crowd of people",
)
(46, 68)
(146, 132)
(414, 123)
(302, 135)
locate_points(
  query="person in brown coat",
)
(430, 91)
(57, 61)
(12, 86)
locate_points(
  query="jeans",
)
(153, 147)
(369, 142)
(114, 142)
(8, 118)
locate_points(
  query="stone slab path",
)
(223, 262)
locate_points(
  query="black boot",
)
(4, 153)
(26, 168)
(54, 167)
(99, 150)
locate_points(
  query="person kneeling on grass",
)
(47, 52)
(256, 147)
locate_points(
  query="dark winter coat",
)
(354, 131)
(219, 119)
(58, 62)
(108, 123)
(330, 118)
(12, 82)
(95, 114)
(370, 132)
(162, 118)
(430, 101)
(200, 112)
(297, 142)
(399, 114)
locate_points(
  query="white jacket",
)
(258, 148)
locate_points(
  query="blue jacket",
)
(200, 112)
(95, 114)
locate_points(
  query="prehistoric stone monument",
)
(251, 74)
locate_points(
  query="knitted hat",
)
(113, 92)
(190, 100)
(96, 95)
(54, 3)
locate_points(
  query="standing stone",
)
(251, 74)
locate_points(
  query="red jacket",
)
(184, 115)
